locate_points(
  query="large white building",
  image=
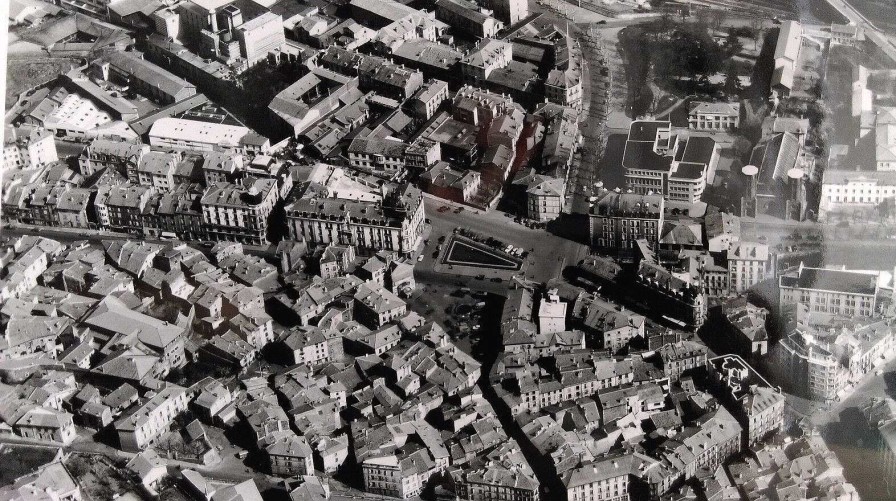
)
(838, 292)
(260, 36)
(603, 480)
(195, 135)
(748, 264)
(713, 116)
(855, 192)
(660, 162)
(28, 149)
(141, 427)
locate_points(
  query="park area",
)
(667, 60)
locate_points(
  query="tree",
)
(718, 17)
(756, 26)
(732, 81)
(732, 45)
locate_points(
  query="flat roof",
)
(850, 282)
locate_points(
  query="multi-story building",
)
(388, 79)
(102, 153)
(851, 192)
(377, 154)
(308, 346)
(239, 212)
(489, 56)
(657, 161)
(377, 305)
(152, 418)
(120, 207)
(427, 100)
(846, 34)
(260, 36)
(838, 292)
(177, 213)
(129, 68)
(713, 116)
(757, 406)
(402, 476)
(681, 357)
(811, 368)
(617, 220)
(509, 11)
(605, 479)
(465, 16)
(444, 181)
(545, 198)
(156, 169)
(745, 325)
(564, 87)
(28, 149)
(289, 454)
(172, 133)
(395, 224)
(748, 264)
(72, 208)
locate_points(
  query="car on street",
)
(420, 258)
(480, 277)
(458, 210)
(497, 279)
(442, 208)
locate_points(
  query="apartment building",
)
(239, 212)
(682, 357)
(465, 16)
(23, 148)
(605, 479)
(509, 11)
(395, 224)
(156, 169)
(545, 198)
(377, 154)
(617, 220)
(121, 207)
(377, 306)
(102, 154)
(748, 264)
(152, 418)
(489, 55)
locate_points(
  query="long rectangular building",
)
(839, 292)
(396, 224)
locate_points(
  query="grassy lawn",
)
(23, 74)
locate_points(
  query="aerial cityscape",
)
(478, 250)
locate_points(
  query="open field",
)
(23, 74)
